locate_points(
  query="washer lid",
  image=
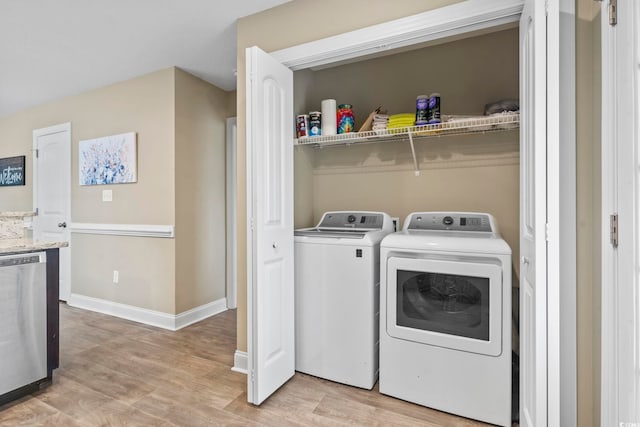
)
(347, 227)
(349, 224)
(330, 232)
(447, 241)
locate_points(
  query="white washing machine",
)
(445, 315)
(337, 291)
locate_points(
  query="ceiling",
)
(52, 49)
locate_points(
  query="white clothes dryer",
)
(337, 291)
(445, 329)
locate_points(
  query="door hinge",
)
(251, 223)
(37, 211)
(613, 229)
(37, 153)
(546, 232)
(546, 8)
(613, 12)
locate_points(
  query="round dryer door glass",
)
(445, 303)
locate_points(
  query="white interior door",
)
(533, 216)
(627, 310)
(629, 274)
(52, 193)
(270, 300)
(620, 189)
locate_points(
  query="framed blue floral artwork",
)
(108, 160)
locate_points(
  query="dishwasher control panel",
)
(11, 260)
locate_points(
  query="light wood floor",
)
(119, 373)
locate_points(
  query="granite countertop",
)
(11, 214)
(17, 246)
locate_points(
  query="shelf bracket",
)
(416, 170)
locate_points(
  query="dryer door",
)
(449, 304)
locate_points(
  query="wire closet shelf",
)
(456, 126)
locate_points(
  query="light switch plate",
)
(107, 195)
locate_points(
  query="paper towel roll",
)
(329, 112)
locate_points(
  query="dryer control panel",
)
(451, 221)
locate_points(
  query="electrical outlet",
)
(107, 195)
(116, 276)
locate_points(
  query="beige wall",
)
(145, 264)
(179, 121)
(232, 104)
(201, 110)
(467, 73)
(304, 159)
(286, 26)
(588, 211)
(144, 105)
(13, 142)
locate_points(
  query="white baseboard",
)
(240, 362)
(158, 319)
(200, 313)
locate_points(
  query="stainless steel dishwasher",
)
(23, 320)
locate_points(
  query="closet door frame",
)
(460, 18)
(620, 335)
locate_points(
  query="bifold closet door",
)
(533, 216)
(270, 310)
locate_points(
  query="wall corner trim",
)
(240, 362)
(158, 319)
(135, 230)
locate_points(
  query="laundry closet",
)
(475, 172)
(470, 53)
(460, 165)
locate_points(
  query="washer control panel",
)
(350, 220)
(444, 221)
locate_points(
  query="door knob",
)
(525, 260)
(62, 224)
(275, 246)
